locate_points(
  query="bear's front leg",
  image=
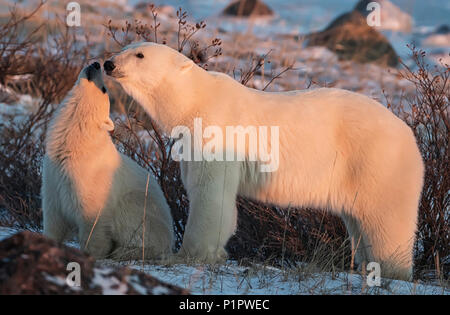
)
(212, 188)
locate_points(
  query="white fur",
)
(339, 151)
(84, 176)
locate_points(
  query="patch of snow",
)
(134, 282)
(160, 290)
(109, 284)
(6, 232)
(439, 40)
(59, 281)
(440, 59)
(318, 53)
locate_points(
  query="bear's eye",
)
(140, 55)
(103, 90)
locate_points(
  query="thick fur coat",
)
(338, 150)
(90, 188)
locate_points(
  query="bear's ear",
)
(184, 63)
(107, 125)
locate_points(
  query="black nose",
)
(96, 65)
(109, 65)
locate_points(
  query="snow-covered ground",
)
(232, 278)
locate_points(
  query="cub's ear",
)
(107, 125)
(184, 63)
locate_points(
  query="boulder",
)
(442, 30)
(351, 38)
(391, 17)
(33, 264)
(439, 38)
(248, 8)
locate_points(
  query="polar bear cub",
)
(337, 150)
(89, 187)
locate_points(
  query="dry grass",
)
(428, 115)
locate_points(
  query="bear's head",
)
(144, 66)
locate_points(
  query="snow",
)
(134, 282)
(110, 285)
(6, 232)
(160, 290)
(60, 281)
(231, 278)
(439, 40)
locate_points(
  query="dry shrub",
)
(283, 237)
(45, 69)
(184, 41)
(428, 115)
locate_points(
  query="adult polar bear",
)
(339, 150)
(88, 186)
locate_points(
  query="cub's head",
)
(146, 65)
(91, 97)
(91, 76)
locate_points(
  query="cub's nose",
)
(96, 65)
(109, 66)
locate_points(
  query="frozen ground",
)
(231, 278)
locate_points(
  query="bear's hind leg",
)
(388, 239)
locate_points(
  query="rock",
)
(443, 30)
(439, 38)
(142, 6)
(246, 8)
(351, 38)
(391, 17)
(33, 264)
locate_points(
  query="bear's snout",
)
(109, 66)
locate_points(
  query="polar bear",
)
(338, 150)
(88, 186)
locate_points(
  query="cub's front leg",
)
(212, 189)
(95, 237)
